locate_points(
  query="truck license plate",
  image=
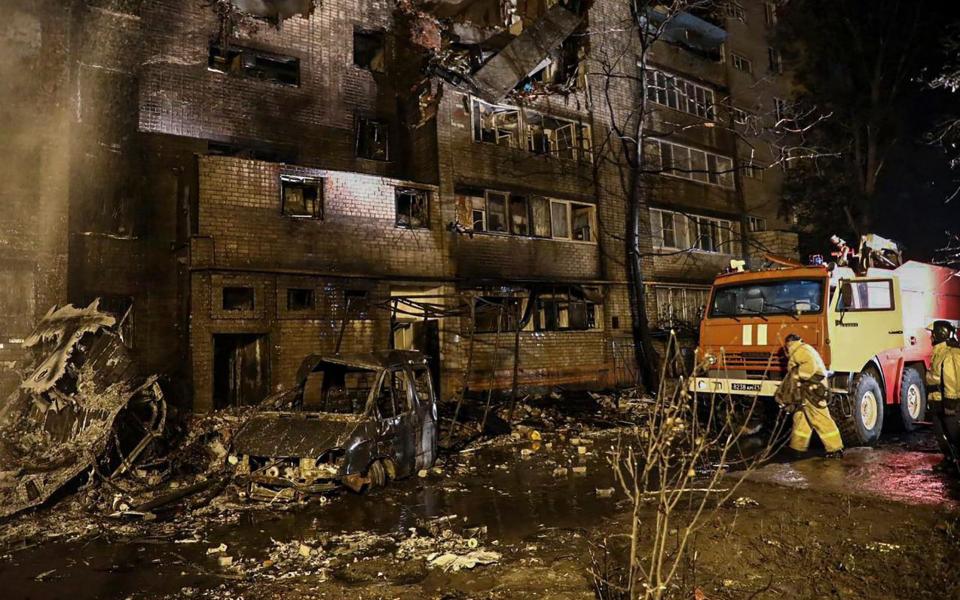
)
(745, 387)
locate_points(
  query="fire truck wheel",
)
(867, 417)
(913, 399)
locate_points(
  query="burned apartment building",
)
(251, 182)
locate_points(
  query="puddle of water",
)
(887, 472)
(513, 503)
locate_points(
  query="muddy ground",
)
(880, 523)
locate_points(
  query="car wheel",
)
(913, 399)
(377, 474)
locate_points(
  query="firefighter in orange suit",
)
(806, 390)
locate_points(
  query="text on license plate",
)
(745, 387)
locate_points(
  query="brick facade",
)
(191, 203)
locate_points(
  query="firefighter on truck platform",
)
(943, 380)
(804, 390)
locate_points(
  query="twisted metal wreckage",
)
(83, 410)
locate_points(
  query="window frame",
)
(404, 190)
(525, 135)
(774, 60)
(851, 282)
(739, 61)
(734, 10)
(234, 62)
(666, 83)
(687, 234)
(701, 292)
(370, 33)
(755, 224)
(227, 289)
(718, 174)
(362, 123)
(303, 181)
(304, 309)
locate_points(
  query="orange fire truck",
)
(870, 328)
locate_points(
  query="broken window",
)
(394, 397)
(357, 304)
(300, 299)
(677, 304)
(565, 309)
(372, 139)
(478, 213)
(539, 216)
(560, 219)
(495, 124)
(256, 64)
(496, 313)
(422, 385)
(346, 392)
(519, 217)
(412, 208)
(775, 60)
(679, 94)
(770, 13)
(581, 219)
(301, 197)
(368, 50)
(238, 298)
(756, 224)
(497, 211)
(734, 10)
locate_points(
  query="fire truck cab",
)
(871, 330)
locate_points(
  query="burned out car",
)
(354, 420)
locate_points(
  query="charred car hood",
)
(293, 435)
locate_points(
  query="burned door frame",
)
(232, 398)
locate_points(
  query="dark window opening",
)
(564, 309)
(357, 304)
(300, 299)
(372, 139)
(368, 50)
(256, 64)
(493, 313)
(412, 208)
(301, 197)
(238, 298)
(539, 216)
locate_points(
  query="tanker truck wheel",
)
(913, 399)
(859, 416)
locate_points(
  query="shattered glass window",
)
(412, 208)
(368, 50)
(372, 139)
(255, 64)
(301, 197)
(560, 220)
(300, 299)
(238, 298)
(519, 216)
(539, 216)
(564, 309)
(497, 211)
(581, 220)
(422, 384)
(495, 124)
(346, 392)
(496, 313)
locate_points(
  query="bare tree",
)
(676, 472)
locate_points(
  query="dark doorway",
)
(241, 369)
(426, 339)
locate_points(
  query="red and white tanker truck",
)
(871, 328)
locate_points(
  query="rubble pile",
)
(433, 545)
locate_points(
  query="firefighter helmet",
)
(942, 331)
